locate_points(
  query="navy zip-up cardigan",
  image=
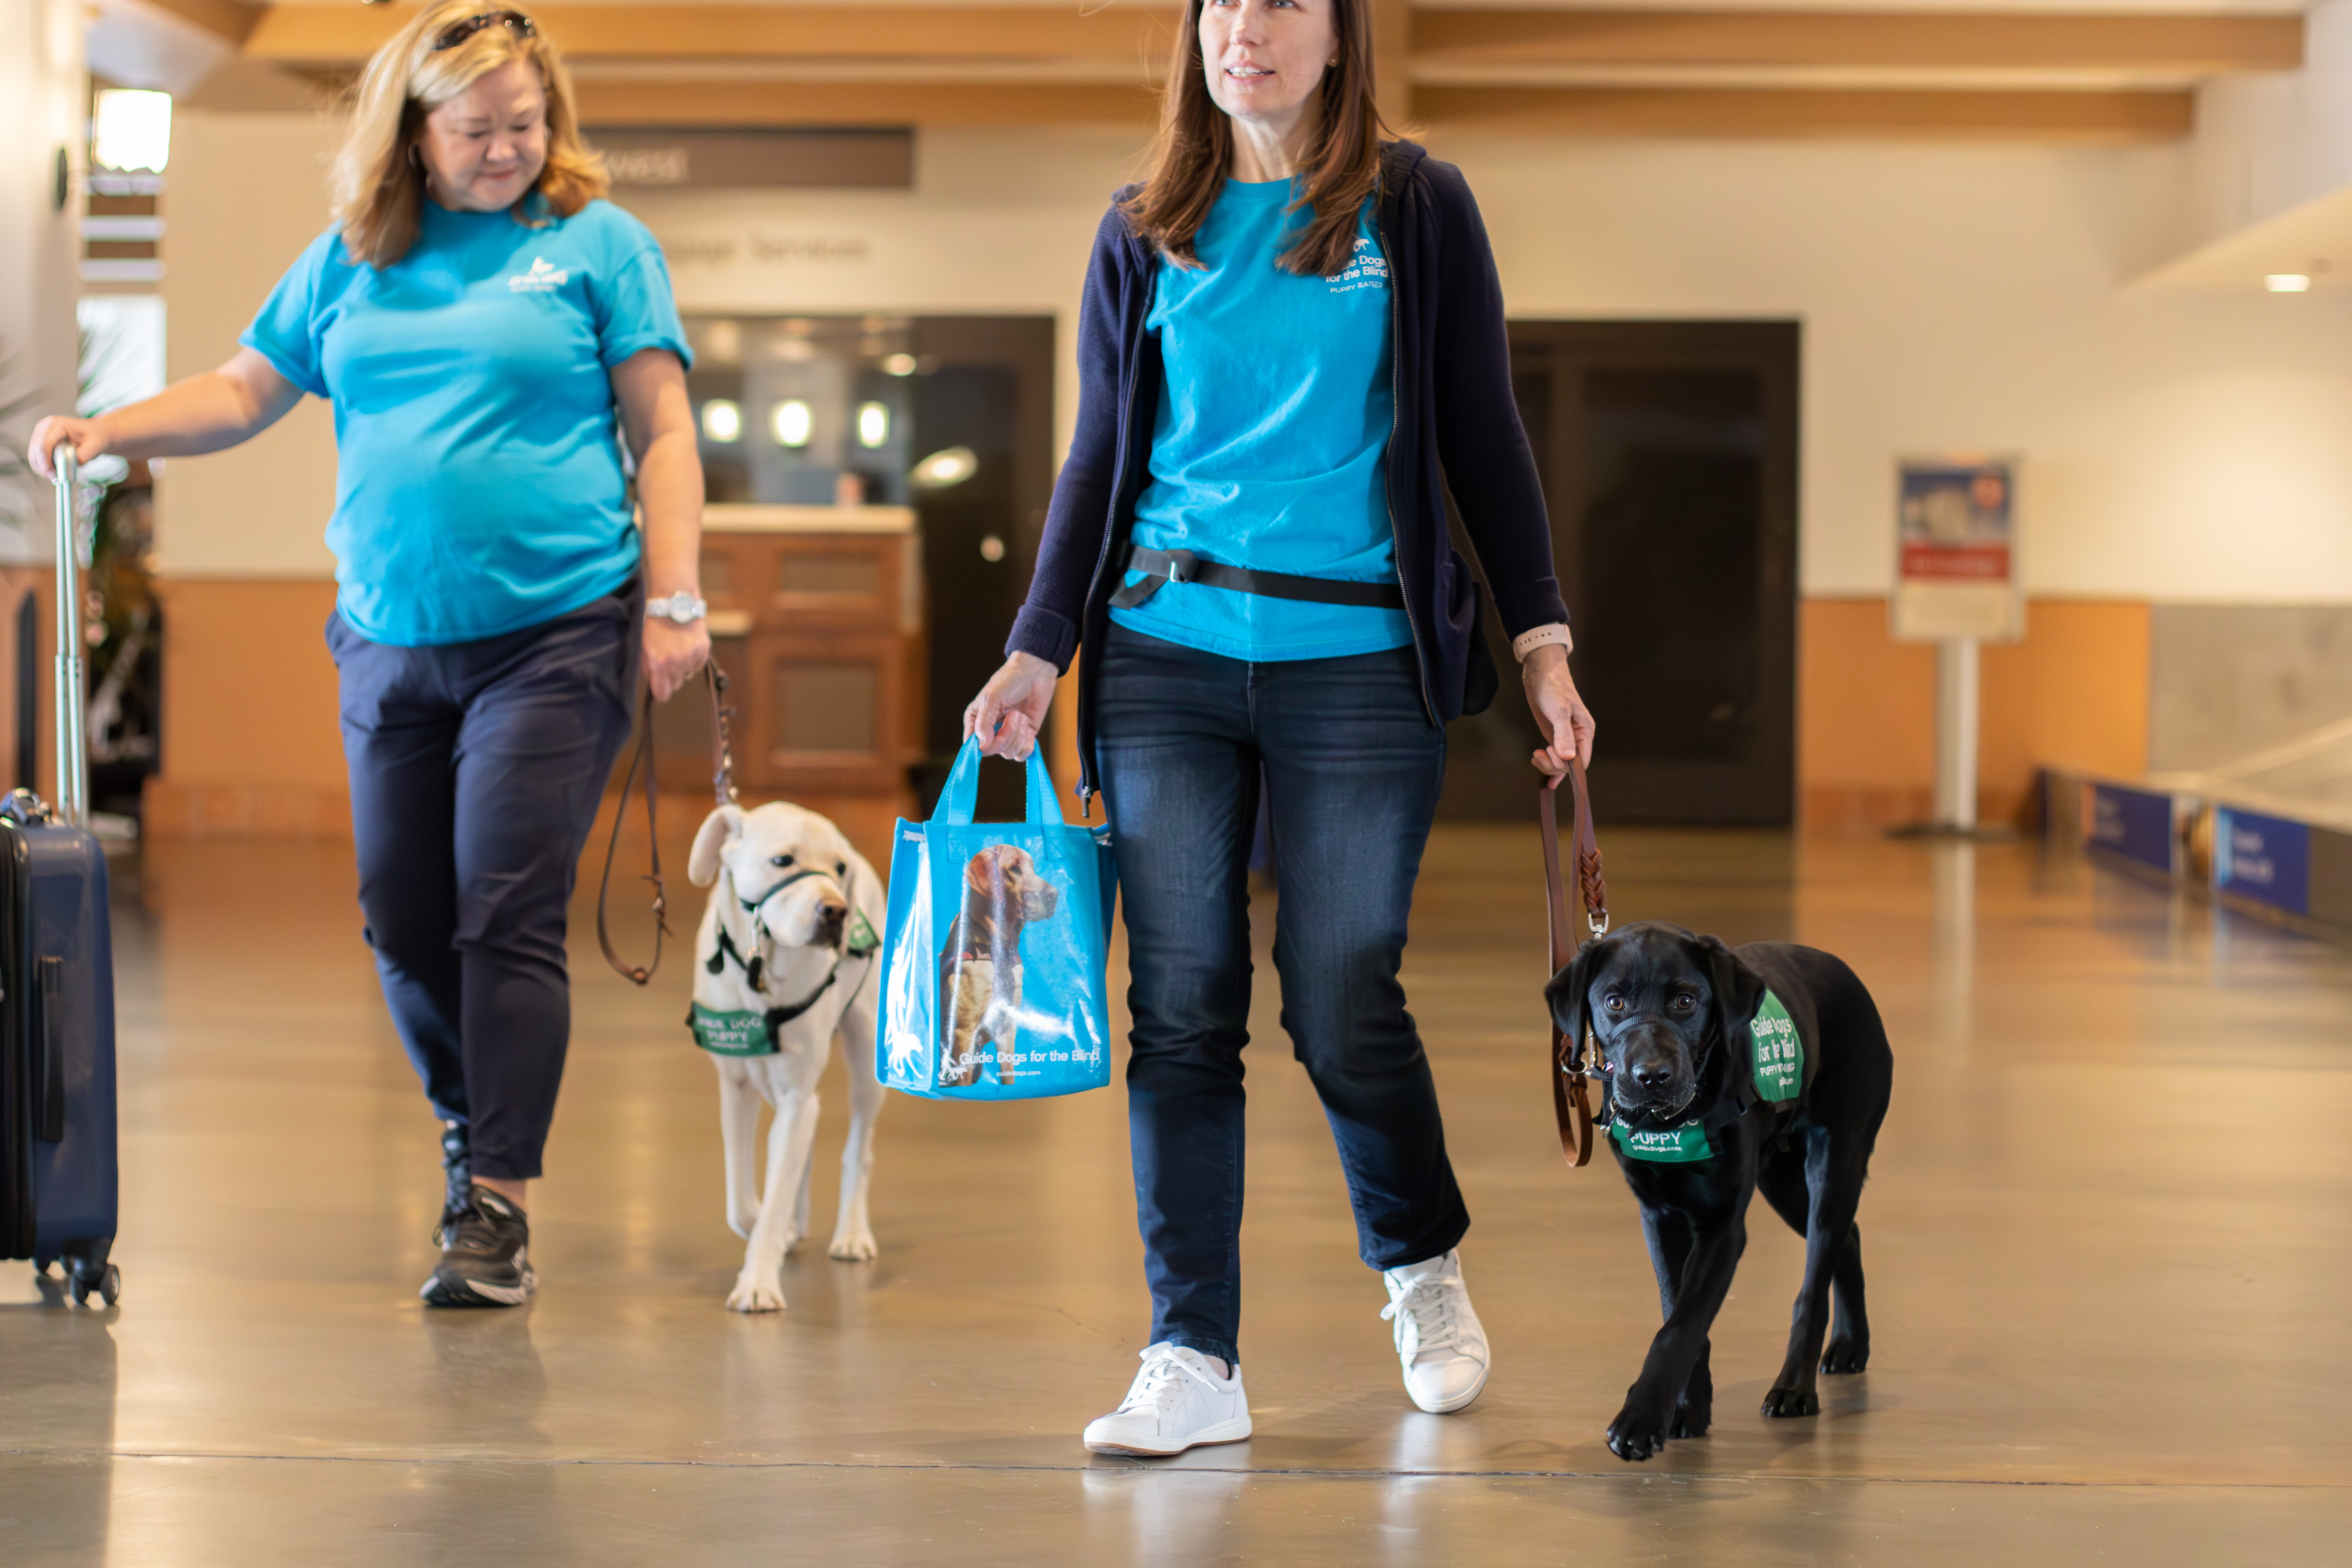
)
(1457, 425)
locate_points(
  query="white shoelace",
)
(1424, 1313)
(1161, 1383)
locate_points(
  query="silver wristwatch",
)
(682, 608)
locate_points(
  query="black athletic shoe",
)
(485, 1255)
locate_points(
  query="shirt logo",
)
(1366, 268)
(541, 280)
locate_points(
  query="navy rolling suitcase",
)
(59, 1181)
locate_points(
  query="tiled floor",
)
(2110, 1247)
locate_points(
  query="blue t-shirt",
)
(1269, 447)
(479, 486)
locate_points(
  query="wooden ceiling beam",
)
(2094, 117)
(316, 34)
(682, 105)
(230, 20)
(1883, 39)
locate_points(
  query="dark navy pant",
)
(1351, 768)
(475, 770)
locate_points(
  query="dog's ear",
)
(718, 830)
(1738, 990)
(1569, 992)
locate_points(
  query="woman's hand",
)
(673, 653)
(89, 437)
(1566, 722)
(1011, 708)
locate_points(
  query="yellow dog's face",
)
(790, 867)
(1001, 886)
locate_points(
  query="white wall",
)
(2180, 448)
(41, 111)
(2266, 144)
(246, 192)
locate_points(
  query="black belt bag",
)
(1184, 566)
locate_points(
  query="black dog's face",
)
(1655, 998)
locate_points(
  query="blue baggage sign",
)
(2134, 823)
(2265, 858)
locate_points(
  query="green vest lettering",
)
(1683, 1145)
(730, 1034)
(1779, 1054)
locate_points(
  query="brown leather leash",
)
(723, 786)
(1571, 1070)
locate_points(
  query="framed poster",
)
(1956, 551)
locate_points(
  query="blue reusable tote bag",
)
(995, 950)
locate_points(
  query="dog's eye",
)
(781, 860)
(1683, 1004)
(1614, 1001)
(841, 868)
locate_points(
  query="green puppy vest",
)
(1779, 1068)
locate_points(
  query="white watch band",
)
(1527, 642)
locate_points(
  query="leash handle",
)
(723, 786)
(1571, 1106)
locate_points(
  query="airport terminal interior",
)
(1940, 410)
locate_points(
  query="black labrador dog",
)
(1725, 1071)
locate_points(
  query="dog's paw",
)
(1780, 1403)
(1637, 1434)
(853, 1248)
(1691, 1420)
(756, 1296)
(1846, 1356)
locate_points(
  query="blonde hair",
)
(378, 180)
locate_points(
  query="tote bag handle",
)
(960, 799)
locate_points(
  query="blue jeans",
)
(476, 769)
(1351, 766)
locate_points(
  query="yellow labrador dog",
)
(785, 959)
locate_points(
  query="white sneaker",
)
(1177, 1402)
(1438, 1337)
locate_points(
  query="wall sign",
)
(2265, 858)
(1956, 542)
(804, 158)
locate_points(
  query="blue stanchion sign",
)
(2134, 823)
(2265, 858)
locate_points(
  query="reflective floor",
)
(2110, 1247)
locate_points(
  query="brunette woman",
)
(1292, 348)
(489, 331)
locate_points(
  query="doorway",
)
(1668, 455)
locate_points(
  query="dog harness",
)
(1778, 1074)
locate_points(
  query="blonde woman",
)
(489, 330)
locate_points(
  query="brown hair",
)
(378, 182)
(1195, 148)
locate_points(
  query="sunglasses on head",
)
(456, 32)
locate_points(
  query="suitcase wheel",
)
(107, 1282)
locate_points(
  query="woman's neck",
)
(1264, 151)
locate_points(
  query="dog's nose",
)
(830, 918)
(1652, 1074)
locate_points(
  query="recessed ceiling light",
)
(898, 364)
(945, 469)
(722, 421)
(872, 424)
(793, 422)
(2288, 282)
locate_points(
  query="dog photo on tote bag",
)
(995, 950)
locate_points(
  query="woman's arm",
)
(203, 414)
(1491, 470)
(658, 419)
(1010, 712)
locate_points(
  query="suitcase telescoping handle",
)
(73, 738)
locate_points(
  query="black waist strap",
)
(1184, 566)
